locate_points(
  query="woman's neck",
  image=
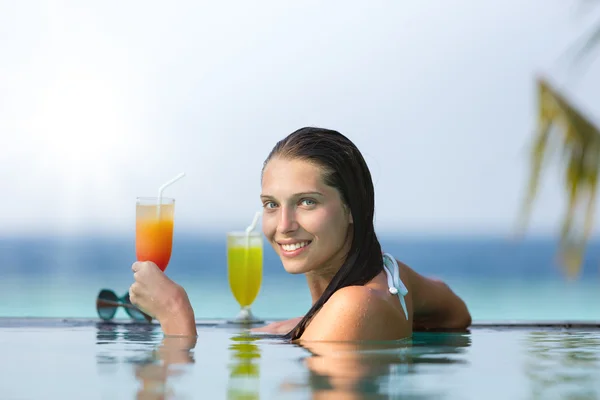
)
(319, 278)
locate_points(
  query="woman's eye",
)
(308, 202)
(269, 204)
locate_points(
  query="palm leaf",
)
(581, 151)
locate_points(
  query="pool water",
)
(77, 359)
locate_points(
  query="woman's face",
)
(305, 220)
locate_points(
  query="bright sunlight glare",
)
(81, 129)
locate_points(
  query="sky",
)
(103, 102)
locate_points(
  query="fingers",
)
(132, 295)
(139, 265)
(142, 265)
(144, 280)
(133, 292)
(135, 267)
(145, 291)
(137, 296)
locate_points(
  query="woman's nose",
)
(287, 221)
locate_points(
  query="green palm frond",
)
(559, 119)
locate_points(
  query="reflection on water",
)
(109, 334)
(106, 332)
(376, 370)
(153, 365)
(235, 365)
(244, 368)
(173, 353)
(563, 364)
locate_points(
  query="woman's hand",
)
(158, 296)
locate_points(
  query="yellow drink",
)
(244, 266)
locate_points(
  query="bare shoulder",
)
(355, 313)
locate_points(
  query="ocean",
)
(501, 279)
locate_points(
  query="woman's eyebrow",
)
(308, 194)
(300, 194)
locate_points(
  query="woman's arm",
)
(179, 319)
(279, 327)
(435, 305)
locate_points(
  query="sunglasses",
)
(108, 302)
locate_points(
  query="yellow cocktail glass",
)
(245, 269)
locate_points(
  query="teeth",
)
(295, 246)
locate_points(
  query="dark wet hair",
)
(344, 169)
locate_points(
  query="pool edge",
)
(6, 322)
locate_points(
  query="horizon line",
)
(381, 234)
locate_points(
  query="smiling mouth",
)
(295, 246)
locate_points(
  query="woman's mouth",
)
(293, 249)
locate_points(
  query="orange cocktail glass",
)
(154, 229)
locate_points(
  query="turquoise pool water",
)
(62, 351)
(77, 359)
(500, 279)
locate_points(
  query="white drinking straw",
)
(249, 230)
(251, 227)
(161, 190)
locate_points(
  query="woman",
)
(318, 201)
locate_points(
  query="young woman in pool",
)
(318, 201)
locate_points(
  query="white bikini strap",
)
(395, 284)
